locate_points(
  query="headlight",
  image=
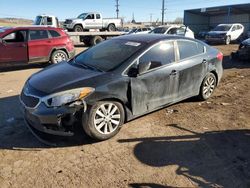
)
(66, 97)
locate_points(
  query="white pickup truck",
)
(91, 20)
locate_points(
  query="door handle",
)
(48, 41)
(173, 73)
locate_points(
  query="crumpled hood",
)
(217, 32)
(61, 77)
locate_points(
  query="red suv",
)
(34, 44)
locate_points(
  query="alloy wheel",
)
(107, 118)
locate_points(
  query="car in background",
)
(225, 33)
(174, 30)
(144, 30)
(118, 80)
(92, 20)
(34, 45)
(243, 53)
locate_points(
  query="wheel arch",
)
(115, 99)
(58, 48)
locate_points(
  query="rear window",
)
(38, 34)
(54, 33)
(189, 48)
(159, 30)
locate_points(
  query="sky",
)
(142, 9)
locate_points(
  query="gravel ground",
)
(190, 144)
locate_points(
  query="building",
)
(204, 19)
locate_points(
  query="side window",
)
(98, 16)
(90, 16)
(234, 28)
(172, 31)
(38, 34)
(159, 55)
(49, 21)
(188, 49)
(16, 36)
(180, 31)
(54, 33)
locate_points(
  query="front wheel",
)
(103, 120)
(207, 86)
(78, 28)
(228, 40)
(58, 56)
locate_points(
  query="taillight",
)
(220, 56)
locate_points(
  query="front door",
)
(158, 85)
(13, 47)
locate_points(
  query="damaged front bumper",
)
(55, 121)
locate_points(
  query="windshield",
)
(38, 20)
(82, 16)
(108, 55)
(222, 28)
(159, 30)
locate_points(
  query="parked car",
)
(118, 80)
(243, 53)
(225, 33)
(174, 30)
(34, 45)
(92, 20)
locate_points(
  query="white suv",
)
(174, 30)
(225, 33)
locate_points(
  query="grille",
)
(29, 101)
(68, 21)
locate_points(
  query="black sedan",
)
(117, 81)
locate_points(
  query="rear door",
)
(39, 45)
(98, 21)
(192, 67)
(14, 47)
(159, 84)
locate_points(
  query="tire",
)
(111, 27)
(95, 40)
(78, 28)
(98, 122)
(58, 56)
(228, 40)
(208, 86)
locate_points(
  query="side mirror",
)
(2, 41)
(143, 67)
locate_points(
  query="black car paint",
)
(139, 95)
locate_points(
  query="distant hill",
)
(15, 22)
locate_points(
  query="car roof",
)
(149, 38)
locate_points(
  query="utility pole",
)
(151, 14)
(117, 8)
(163, 12)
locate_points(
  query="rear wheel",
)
(103, 120)
(111, 27)
(208, 86)
(58, 56)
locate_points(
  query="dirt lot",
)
(190, 144)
